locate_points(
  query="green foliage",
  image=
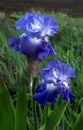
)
(79, 122)
(29, 125)
(10, 118)
(7, 111)
(54, 118)
(21, 113)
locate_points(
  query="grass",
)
(68, 43)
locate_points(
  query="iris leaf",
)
(42, 128)
(7, 111)
(79, 122)
(21, 116)
(29, 125)
(54, 118)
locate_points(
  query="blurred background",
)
(71, 7)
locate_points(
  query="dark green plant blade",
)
(42, 127)
(7, 111)
(79, 122)
(21, 116)
(54, 118)
(29, 125)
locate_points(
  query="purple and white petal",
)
(32, 47)
(62, 71)
(46, 92)
(33, 23)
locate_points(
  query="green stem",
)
(63, 128)
(45, 114)
(34, 104)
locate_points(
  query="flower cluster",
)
(55, 80)
(34, 42)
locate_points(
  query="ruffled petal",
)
(41, 87)
(62, 69)
(47, 75)
(32, 47)
(42, 97)
(52, 98)
(21, 24)
(46, 92)
(33, 23)
(50, 26)
(65, 92)
(14, 43)
(45, 50)
(67, 95)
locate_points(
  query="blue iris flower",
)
(34, 41)
(37, 24)
(55, 80)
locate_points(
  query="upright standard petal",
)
(39, 24)
(48, 75)
(50, 26)
(62, 71)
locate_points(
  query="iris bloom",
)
(37, 24)
(34, 41)
(55, 80)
